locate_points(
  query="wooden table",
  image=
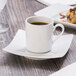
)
(14, 14)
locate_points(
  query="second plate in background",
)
(53, 13)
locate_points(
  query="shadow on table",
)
(44, 66)
(17, 62)
(68, 30)
(49, 66)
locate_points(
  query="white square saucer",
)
(18, 47)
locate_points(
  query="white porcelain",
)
(69, 70)
(39, 37)
(18, 47)
(50, 2)
(53, 12)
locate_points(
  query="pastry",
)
(71, 15)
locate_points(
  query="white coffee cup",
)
(39, 38)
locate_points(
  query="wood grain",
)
(14, 14)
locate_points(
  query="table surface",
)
(14, 14)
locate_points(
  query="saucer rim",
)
(33, 57)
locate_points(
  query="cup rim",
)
(51, 20)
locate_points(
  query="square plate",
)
(18, 47)
(53, 13)
(49, 2)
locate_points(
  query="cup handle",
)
(58, 36)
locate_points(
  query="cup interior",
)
(39, 19)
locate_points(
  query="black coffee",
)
(39, 23)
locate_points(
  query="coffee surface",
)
(39, 23)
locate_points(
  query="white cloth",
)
(67, 71)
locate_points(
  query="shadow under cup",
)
(39, 34)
